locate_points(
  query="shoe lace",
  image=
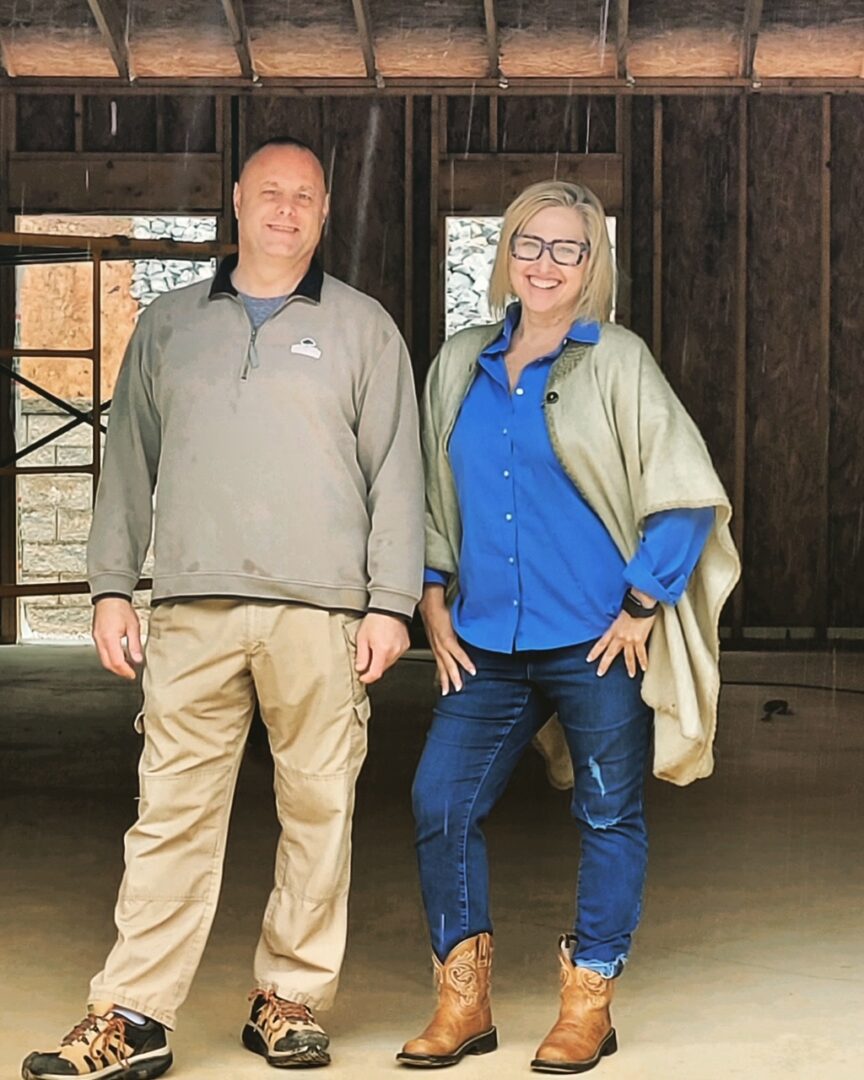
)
(109, 1028)
(281, 1009)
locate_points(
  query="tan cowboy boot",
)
(583, 1032)
(462, 1023)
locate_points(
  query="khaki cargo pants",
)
(205, 662)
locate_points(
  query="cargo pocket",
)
(350, 627)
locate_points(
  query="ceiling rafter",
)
(111, 26)
(750, 36)
(622, 37)
(492, 38)
(367, 42)
(235, 14)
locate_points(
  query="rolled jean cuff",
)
(609, 969)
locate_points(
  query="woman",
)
(569, 501)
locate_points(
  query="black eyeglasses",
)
(564, 252)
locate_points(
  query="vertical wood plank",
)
(224, 145)
(8, 498)
(784, 526)
(739, 489)
(96, 364)
(493, 122)
(846, 444)
(79, 123)
(624, 227)
(824, 405)
(408, 241)
(435, 304)
(657, 204)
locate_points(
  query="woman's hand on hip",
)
(626, 635)
(450, 658)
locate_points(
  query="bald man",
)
(276, 407)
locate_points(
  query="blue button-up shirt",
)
(537, 568)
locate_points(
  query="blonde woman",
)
(573, 515)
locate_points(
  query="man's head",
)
(281, 202)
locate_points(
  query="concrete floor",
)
(748, 962)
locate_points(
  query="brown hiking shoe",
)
(106, 1045)
(286, 1033)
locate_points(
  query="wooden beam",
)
(624, 220)
(8, 487)
(235, 14)
(739, 490)
(484, 183)
(367, 41)
(436, 205)
(492, 44)
(823, 413)
(89, 182)
(408, 223)
(750, 36)
(657, 267)
(113, 30)
(622, 38)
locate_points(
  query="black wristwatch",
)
(636, 609)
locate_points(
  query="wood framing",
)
(438, 121)
(739, 490)
(408, 212)
(492, 48)
(110, 23)
(823, 409)
(81, 183)
(485, 183)
(657, 206)
(367, 41)
(624, 225)
(8, 492)
(750, 36)
(235, 14)
(622, 38)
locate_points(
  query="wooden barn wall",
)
(641, 277)
(760, 324)
(786, 474)
(846, 444)
(698, 266)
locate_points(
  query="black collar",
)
(309, 286)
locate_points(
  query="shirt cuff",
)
(641, 578)
(435, 577)
(400, 615)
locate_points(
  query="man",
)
(276, 406)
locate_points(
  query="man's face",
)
(281, 204)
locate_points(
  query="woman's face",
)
(544, 285)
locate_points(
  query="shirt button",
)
(515, 603)
(519, 391)
(506, 473)
(511, 560)
(508, 517)
(504, 431)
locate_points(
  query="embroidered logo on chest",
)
(307, 346)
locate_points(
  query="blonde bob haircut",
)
(598, 289)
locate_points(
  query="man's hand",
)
(115, 624)
(450, 658)
(381, 640)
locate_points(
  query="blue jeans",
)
(477, 736)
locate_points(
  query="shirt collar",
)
(308, 287)
(585, 331)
